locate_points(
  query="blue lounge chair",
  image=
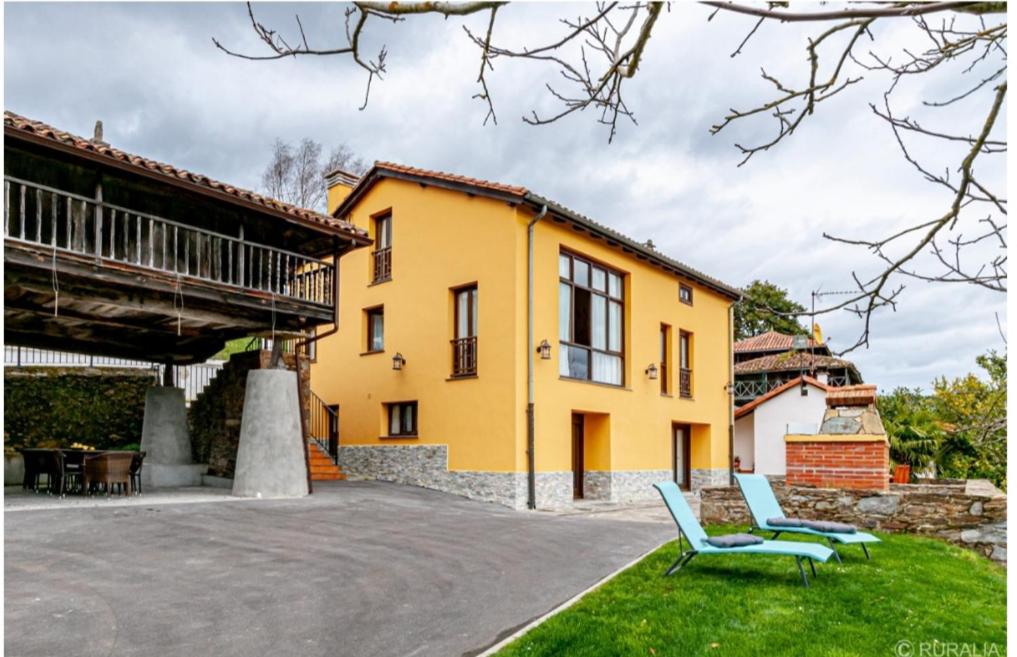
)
(693, 532)
(763, 506)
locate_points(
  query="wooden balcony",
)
(81, 272)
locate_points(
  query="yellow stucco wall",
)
(640, 416)
(443, 239)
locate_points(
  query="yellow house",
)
(500, 346)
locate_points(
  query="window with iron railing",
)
(383, 254)
(685, 365)
(464, 344)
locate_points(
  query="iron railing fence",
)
(66, 222)
(323, 427)
(464, 356)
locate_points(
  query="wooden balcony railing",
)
(685, 382)
(382, 264)
(39, 215)
(464, 356)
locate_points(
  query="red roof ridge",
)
(762, 399)
(450, 177)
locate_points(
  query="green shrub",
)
(54, 407)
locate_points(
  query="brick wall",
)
(826, 462)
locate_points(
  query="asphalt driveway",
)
(356, 569)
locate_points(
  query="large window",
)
(402, 419)
(375, 329)
(383, 248)
(590, 311)
(464, 342)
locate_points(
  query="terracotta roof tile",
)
(857, 395)
(17, 123)
(453, 178)
(769, 341)
(789, 361)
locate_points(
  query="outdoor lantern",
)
(651, 371)
(544, 350)
(398, 361)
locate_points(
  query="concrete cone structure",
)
(166, 441)
(270, 455)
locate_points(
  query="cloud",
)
(150, 71)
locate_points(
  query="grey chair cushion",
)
(783, 522)
(734, 540)
(829, 526)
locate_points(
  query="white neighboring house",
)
(761, 424)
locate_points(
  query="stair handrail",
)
(323, 427)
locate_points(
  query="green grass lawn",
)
(914, 589)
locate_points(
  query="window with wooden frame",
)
(375, 329)
(402, 419)
(590, 315)
(665, 359)
(382, 254)
(685, 364)
(685, 293)
(464, 340)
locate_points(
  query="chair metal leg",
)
(801, 571)
(833, 546)
(812, 565)
(680, 563)
(775, 535)
(866, 551)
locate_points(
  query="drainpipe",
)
(730, 394)
(531, 474)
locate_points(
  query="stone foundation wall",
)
(705, 477)
(427, 466)
(214, 417)
(623, 485)
(971, 514)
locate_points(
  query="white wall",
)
(768, 424)
(744, 443)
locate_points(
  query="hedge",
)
(54, 407)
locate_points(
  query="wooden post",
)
(167, 374)
(98, 224)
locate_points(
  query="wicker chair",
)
(109, 470)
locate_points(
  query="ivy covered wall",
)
(54, 407)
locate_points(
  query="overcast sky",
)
(152, 74)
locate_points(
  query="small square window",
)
(685, 293)
(402, 419)
(375, 329)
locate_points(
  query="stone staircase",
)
(321, 464)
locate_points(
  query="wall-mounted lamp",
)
(398, 361)
(544, 349)
(651, 371)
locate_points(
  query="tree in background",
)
(296, 174)
(960, 427)
(960, 46)
(915, 433)
(974, 415)
(766, 307)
